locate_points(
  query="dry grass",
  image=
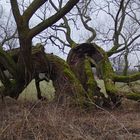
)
(35, 120)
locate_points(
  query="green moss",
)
(73, 45)
(69, 74)
(7, 61)
(91, 83)
(127, 79)
(5, 89)
(133, 96)
(73, 80)
(57, 61)
(110, 87)
(38, 48)
(77, 87)
(106, 68)
(108, 75)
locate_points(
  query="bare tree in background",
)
(8, 35)
(122, 28)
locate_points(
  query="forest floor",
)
(36, 120)
(29, 119)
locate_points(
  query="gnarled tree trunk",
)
(81, 60)
(74, 82)
(67, 86)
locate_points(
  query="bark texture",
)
(67, 86)
(81, 60)
(74, 80)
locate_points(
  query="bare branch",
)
(33, 8)
(82, 14)
(8, 38)
(53, 19)
(66, 26)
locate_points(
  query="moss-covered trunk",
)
(12, 62)
(107, 73)
(67, 86)
(74, 82)
(81, 60)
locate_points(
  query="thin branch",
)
(66, 26)
(53, 19)
(92, 37)
(8, 38)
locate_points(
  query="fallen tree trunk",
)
(127, 79)
(133, 96)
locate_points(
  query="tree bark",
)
(67, 86)
(107, 73)
(73, 82)
(81, 60)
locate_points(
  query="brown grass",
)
(35, 120)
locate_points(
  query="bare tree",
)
(8, 35)
(122, 31)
